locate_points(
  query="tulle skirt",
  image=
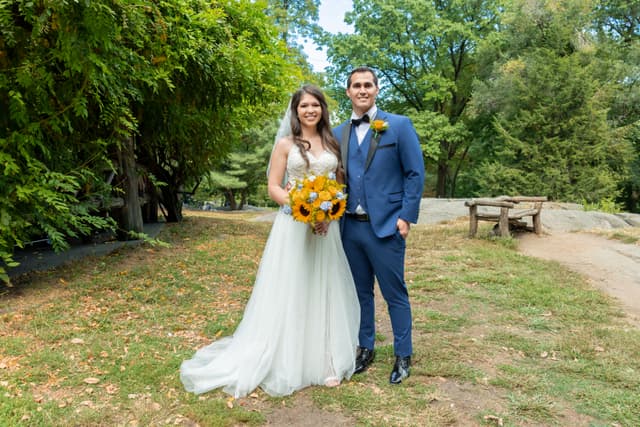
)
(300, 325)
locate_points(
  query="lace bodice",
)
(297, 167)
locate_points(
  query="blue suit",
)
(384, 175)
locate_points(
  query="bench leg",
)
(504, 222)
(473, 221)
(537, 224)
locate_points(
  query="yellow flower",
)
(379, 126)
(320, 215)
(319, 183)
(324, 195)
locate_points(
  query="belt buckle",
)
(360, 217)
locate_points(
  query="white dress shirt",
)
(362, 129)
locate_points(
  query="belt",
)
(358, 217)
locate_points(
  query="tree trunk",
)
(231, 199)
(172, 203)
(131, 219)
(441, 185)
(243, 200)
(150, 210)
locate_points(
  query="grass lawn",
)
(499, 339)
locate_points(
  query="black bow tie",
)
(356, 122)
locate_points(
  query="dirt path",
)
(611, 266)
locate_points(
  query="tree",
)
(65, 87)
(226, 68)
(243, 174)
(424, 52)
(617, 25)
(88, 88)
(545, 110)
(294, 18)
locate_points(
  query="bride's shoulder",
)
(284, 144)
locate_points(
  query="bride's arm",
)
(277, 169)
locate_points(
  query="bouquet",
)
(316, 199)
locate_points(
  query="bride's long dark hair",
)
(323, 126)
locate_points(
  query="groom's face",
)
(362, 92)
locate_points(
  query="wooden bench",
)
(508, 215)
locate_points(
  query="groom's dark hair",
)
(362, 69)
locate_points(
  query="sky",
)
(331, 18)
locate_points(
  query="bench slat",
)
(489, 202)
(520, 214)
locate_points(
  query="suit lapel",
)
(344, 144)
(374, 141)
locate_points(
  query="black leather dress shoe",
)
(400, 369)
(364, 359)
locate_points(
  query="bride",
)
(300, 325)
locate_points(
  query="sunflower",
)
(301, 211)
(337, 209)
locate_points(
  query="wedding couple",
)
(310, 317)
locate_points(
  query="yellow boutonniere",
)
(379, 126)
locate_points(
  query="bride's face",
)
(309, 110)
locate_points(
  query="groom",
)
(384, 171)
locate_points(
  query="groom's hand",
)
(403, 227)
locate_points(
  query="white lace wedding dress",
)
(300, 325)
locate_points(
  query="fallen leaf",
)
(230, 403)
(77, 341)
(111, 389)
(495, 419)
(92, 380)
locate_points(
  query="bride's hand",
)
(321, 228)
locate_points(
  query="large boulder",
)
(555, 216)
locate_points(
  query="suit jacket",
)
(394, 172)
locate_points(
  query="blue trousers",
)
(371, 257)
